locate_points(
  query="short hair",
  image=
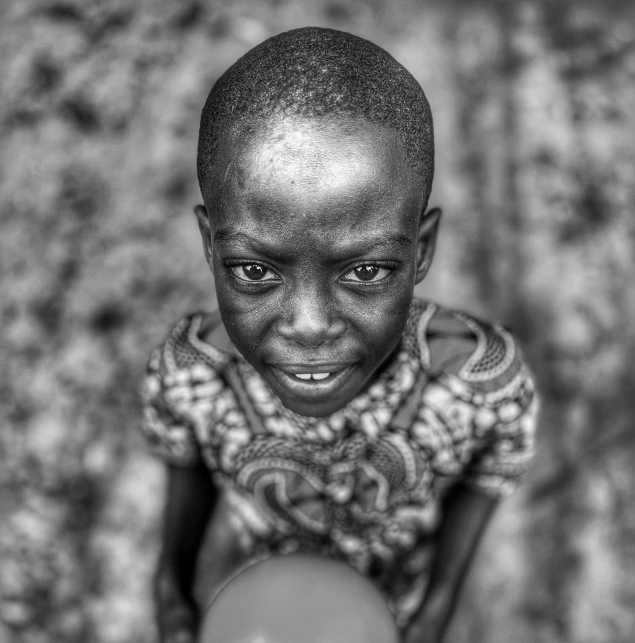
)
(319, 73)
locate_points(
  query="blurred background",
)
(534, 106)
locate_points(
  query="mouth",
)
(312, 376)
(313, 382)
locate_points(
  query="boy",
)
(330, 410)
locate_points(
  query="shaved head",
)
(318, 73)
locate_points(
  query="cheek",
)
(384, 326)
(380, 320)
(246, 318)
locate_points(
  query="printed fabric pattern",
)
(365, 485)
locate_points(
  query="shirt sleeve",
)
(170, 435)
(505, 427)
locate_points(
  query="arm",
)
(466, 513)
(191, 498)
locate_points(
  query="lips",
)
(312, 382)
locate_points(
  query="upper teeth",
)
(315, 376)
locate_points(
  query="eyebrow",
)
(388, 241)
(225, 237)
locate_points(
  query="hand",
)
(177, 618)
(178, 625)
(418, 634)
(415, 633)
(430, 624)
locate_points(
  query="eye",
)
(254, 272)
(367, 273)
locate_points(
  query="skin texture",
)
(319, 73)
(316, 233)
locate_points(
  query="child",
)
(328, 409)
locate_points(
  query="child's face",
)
(316, 236)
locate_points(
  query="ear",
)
(426, 241)
(206, 232)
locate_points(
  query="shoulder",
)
(183, 380)
(197, 341)
(185, 371)
(483, 355)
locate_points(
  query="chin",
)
(313, 410)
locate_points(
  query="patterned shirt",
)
(455, 404)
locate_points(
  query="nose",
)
(308, 319)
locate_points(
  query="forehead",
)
(314, 140)
(331, 177)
